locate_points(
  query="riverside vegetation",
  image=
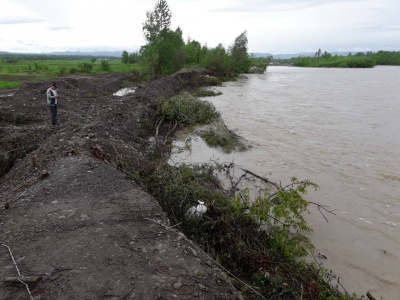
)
(260, 240)
(357, 60)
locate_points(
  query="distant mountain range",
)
(99, 54)
(119, 54)
(287, 56)
(90, 53)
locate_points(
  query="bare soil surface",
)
(71, 217)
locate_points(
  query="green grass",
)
(53, 68)
(9, 84)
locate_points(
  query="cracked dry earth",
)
(79, 226)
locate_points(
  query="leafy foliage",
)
(105, 65)
(157, 21)
(259, 65)
(187, 110)
(85, 67)
(238, 53)
(217, 60)
(281, 214)
(163, 54)
(194, 52)
(125, 57)
(130, 58)
(232, 233)
(218, 135)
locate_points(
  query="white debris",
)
(125, 91)
(197, 211)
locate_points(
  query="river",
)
(339, 128)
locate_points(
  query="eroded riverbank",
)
(72, 217)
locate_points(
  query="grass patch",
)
(9, 84)
(53, 68)
(210, 80)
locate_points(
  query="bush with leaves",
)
(257, 240)
(105, 65)
(281, 215)
(85, 67)
(187, 110)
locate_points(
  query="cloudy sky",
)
(273, 26)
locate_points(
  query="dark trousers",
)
(53, 111)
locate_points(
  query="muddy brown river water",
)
(340, 128)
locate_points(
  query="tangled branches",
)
(259, 239)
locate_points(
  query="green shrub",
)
(63, 70)
(105, 65)
(210, 80)
(85, 67)
(73, 70)
(40, 67)
(258, 240)
(218, 135)
(187, 110)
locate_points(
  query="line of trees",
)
(357, 60)
(166, 52)
(382, 57)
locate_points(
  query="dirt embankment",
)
(71, 217)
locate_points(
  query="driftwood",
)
(22, 279)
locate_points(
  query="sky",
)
(273, 26)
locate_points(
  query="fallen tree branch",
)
(323, 207)
(171, 131)
(159, 123)
(19, 278)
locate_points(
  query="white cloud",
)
(274, 26)
(19, 20)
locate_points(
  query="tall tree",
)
(157, 21)
(239, 57)
(125, 57)
(163, 53)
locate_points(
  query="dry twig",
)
(20, 277)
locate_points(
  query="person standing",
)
(52, 97)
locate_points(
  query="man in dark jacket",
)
(52, 101)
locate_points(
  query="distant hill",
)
(78, 55)
(288, 56)
(118, 54)
(88, 53)
(261, 54)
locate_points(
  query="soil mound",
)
(70, 218)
